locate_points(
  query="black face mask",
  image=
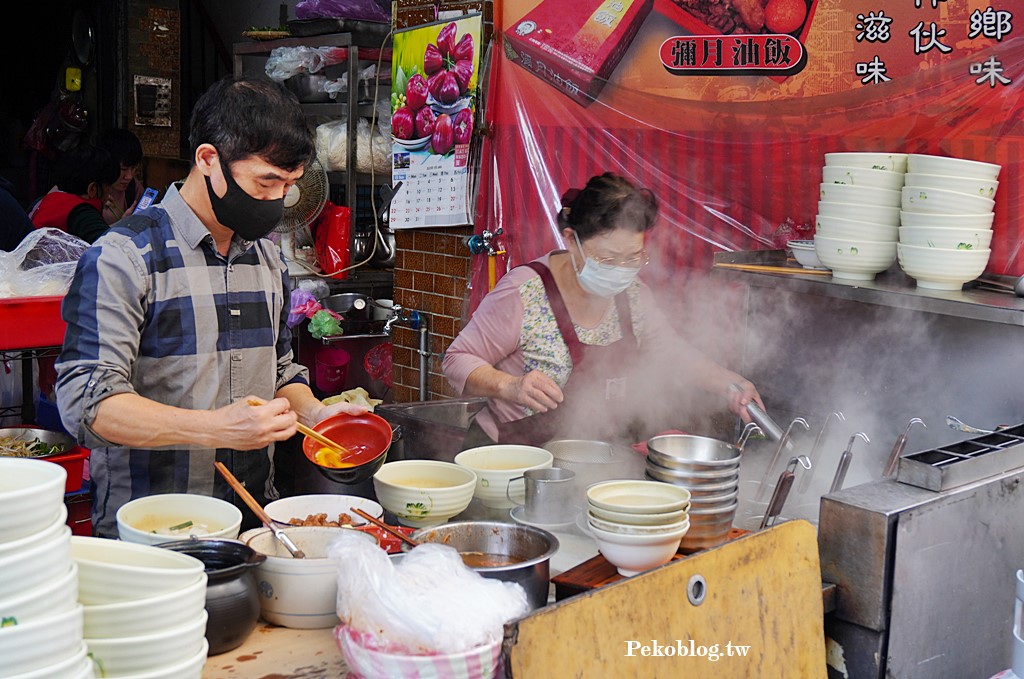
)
(251, 218)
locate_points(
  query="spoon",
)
(281, 536)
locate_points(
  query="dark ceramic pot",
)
(232, 600)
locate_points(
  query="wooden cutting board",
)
(762, 601)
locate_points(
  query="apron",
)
(596, 390)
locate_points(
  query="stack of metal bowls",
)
(710, 470)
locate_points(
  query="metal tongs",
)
(897, 449)
(844, 461)
(782, 489)
(783, 442)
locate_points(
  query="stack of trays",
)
(637, 524)
(710, 470)
(144, 608)
(40, 617)
(946, 221)
(858, 213)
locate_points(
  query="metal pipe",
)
(424, 355)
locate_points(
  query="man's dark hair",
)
(123, 145)
(81, 166)
(245, 117)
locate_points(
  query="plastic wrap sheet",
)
(727, 172)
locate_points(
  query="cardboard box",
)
(576, 46)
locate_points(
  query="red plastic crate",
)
(31, 323)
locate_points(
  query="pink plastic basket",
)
(364, 661)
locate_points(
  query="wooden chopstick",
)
(311, 433)
(256, 508)
(763, 268)
(380, 524)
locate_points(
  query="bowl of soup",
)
(424, 493)
(156, 519)
(365, 438)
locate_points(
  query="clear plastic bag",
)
(43, 264)
(332, 145)
(430, 602)
(284, 62)
(373, 149)
(361, 10)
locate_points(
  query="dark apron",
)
(596, 390)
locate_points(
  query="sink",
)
(430, 430)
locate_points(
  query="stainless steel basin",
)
(430, 430)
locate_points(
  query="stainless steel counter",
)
(892, 288)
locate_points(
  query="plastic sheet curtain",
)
(730, 158)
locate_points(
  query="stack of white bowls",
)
(40, 617)
(859, 213)
(709, 470)
(637, 524)
(946, 222)
(145, 609)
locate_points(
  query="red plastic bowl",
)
(368, 435)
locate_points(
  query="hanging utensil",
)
(844, 462)
(748, 429)
(782, 489)
(897, 449)
(805, 480)
(783, 443)
(249, 500)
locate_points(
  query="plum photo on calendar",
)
(435, 72)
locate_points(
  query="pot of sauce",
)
(501, 551)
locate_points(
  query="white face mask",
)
(602, 280)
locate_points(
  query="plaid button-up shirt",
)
(155, 310)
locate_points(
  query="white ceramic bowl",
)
(937, 201)
(50, 532)
(803, 252)
(852, 259)
(146, 520)
(943, 237)
(894, 162)
(145, 616)
(76, 666)
(31, 495)
(190, 668)
(838, 227)
(632, 554)
(298, 593)
(985, 188)
(637, 497)
(632, 529)
(495, 466)
(301, 506)
(43, 642)
(36, 565)
(940, 268)
(867, 195)
(981, 220)
(958, 167)
(862, 176)
(118, 656)
(424, 493)
(113, 570)
(629, 518)
(480, 662)
(53, 596)
(875, 214)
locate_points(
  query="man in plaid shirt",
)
(176, 317)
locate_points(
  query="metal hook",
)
(844, 461)
(806, 480)
(763, 489)
(897, 449)
(748, 429)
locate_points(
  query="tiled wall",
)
(432, 266)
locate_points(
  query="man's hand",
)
(248, 427)
(535, 390)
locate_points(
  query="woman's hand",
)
(325, 411)
(534, 390)
(740, 397)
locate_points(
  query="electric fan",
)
(302, 205)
